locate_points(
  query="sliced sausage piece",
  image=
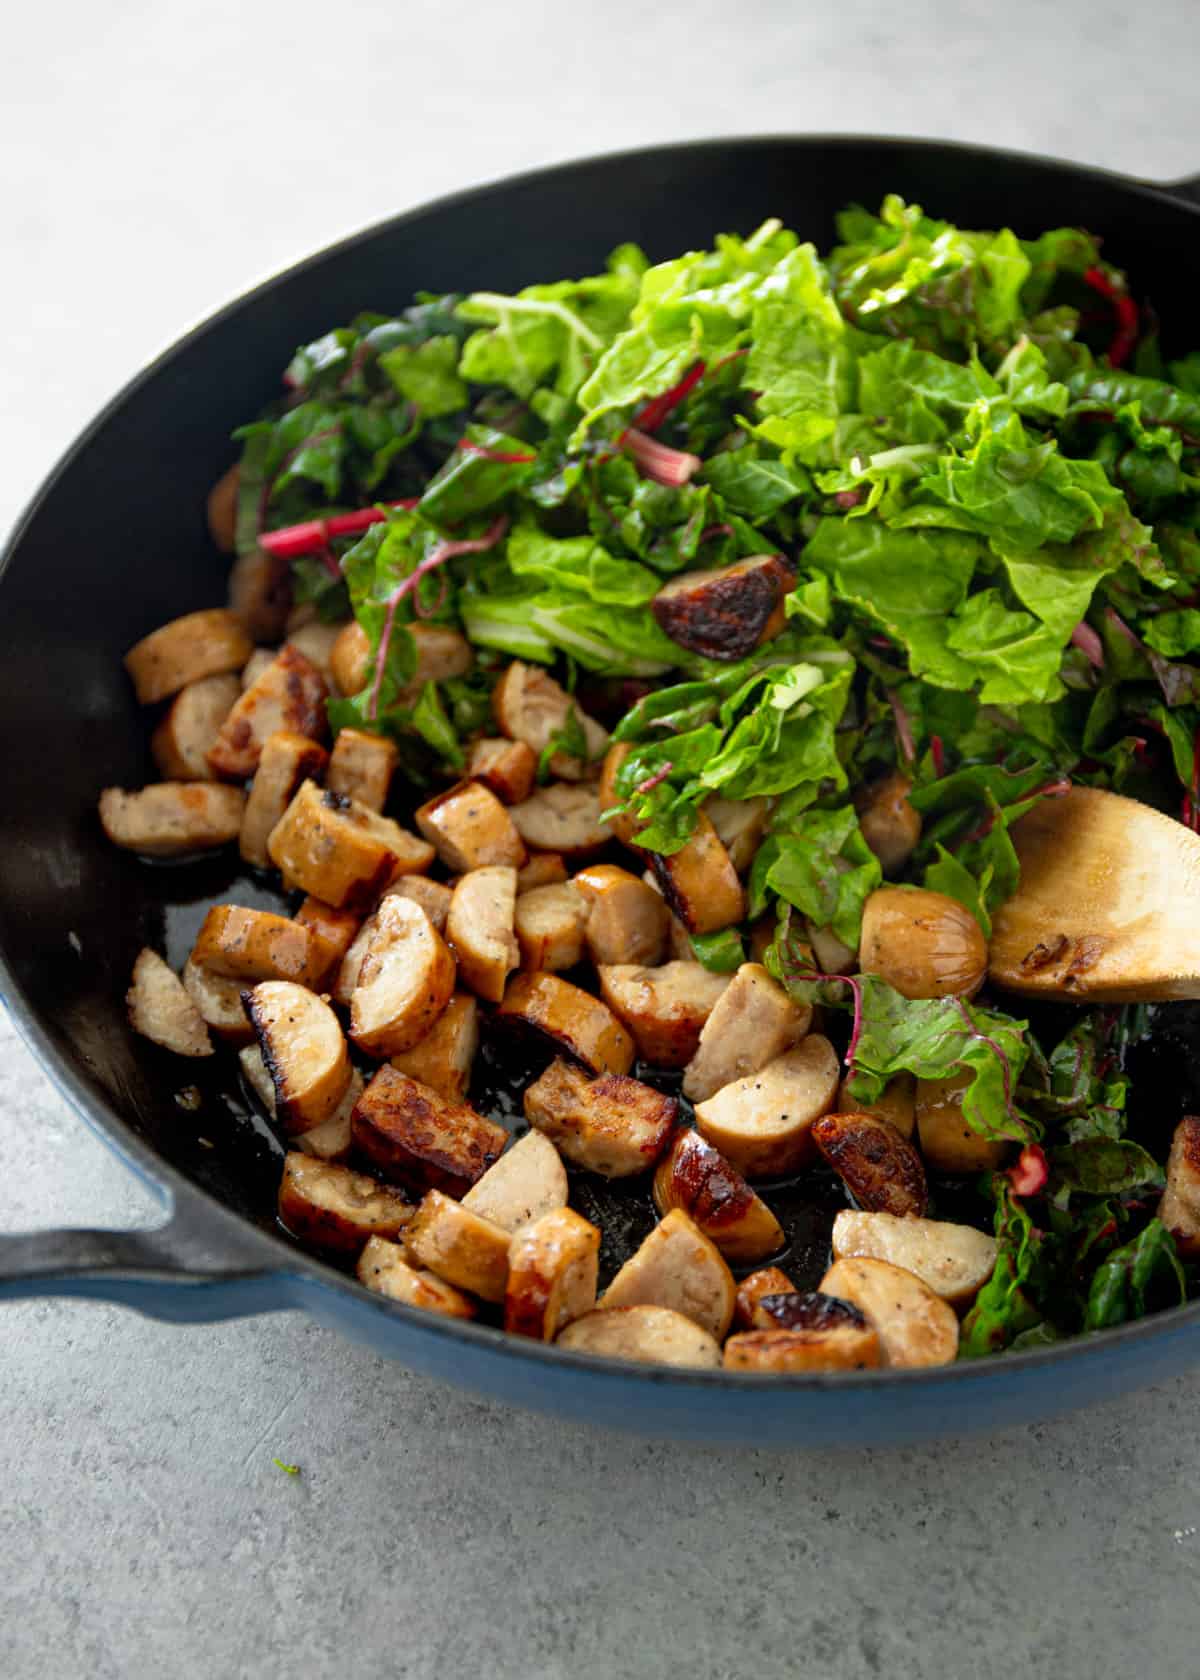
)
(257, 945)
(260, 593)
(553, 1264)
(161, 1010)
(620, 825)
(699, 882)
(189, 728)
(350, 966)
(302, 1049)
(457, 1245)
(361, 766)
(421, 1139)
(740, 826)
(350, 659)
(881, 1169)
(697, 1178)
(664, 1008)
(171, 819)
(751, 1290)
(287, 761)
(444, 1057)
(290, 694)
(578, 1024)
(763, 1123)
(543, 869)
(889, 824)
(649, 1335)
(752, 1022)
(382, 1267)
(506, 767)
(334, 1208)
(613, 1125)
(470, 829)
(564, 818)
(316, 642)
(200, 644)
(727, 612)
(441, 653)
(220, 510)
(627, 920)
(330, 1139)
(528, 1181)
(340, 851)
(331, 931)
(677, 1267)
(549, 924)
(405, 981)
(897, 1103)
(255, 666)
(219, 1001)
(914, 1326)
(1179, 1208)
(530, 706)
(947, 1142)
(433, 896)
(955, 1261)
(841, 1347)
(479, 929)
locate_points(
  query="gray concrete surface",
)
(155, 159)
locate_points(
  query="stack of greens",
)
(988, 480)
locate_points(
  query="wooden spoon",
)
(1108, 908)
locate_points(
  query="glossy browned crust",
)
(769, 1281)
(791, 1310)
(612, 1125)
(257, 945)
(470, 828)
(699, 881)
(841, 1348)
(507, 767)
(725, 614)
(334, 1208)
(881, 1169)
(580, 1025)
(697, 1178)
(420, 1139)
(290, 694)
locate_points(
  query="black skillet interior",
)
(117, 545)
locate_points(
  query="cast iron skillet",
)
(114, 544)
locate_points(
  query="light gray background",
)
(155, 159)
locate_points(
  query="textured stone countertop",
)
(154, 160)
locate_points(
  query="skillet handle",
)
(172, 1273)
(1188, 189)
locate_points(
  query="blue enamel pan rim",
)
(284, 1277)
